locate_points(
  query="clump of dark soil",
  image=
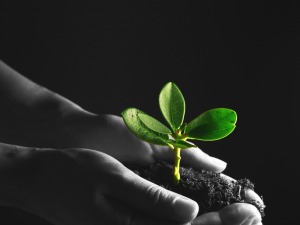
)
(208, 189)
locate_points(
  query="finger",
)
(153, 199)
(193, 157)
(235, 214)
(116, 213)
(249, 194)
(240, 213)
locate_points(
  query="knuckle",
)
(156, 194)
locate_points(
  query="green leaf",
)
(212, 125)
(172, 105)
(137, 127)
(154, 124)
(181, 144)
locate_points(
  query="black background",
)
(109, 55)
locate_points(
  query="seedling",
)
(211, 125)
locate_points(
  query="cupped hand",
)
(82, 186)
(235, 214)
(109, 134)
(87, 187)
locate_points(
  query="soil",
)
(211, 191)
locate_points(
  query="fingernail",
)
(186, 208)
(219, 162)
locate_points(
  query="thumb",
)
(192, 157)
(240, 213)
(154, 200)
(235, 214)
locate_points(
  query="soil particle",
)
(211, 191)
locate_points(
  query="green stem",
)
(176, 165)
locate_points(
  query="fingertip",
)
(192, 157)
(240, 213)
(251, 195)
(185, 208)
(198, 159)
(219, 165)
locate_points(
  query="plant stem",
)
(176, 165)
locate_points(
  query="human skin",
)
(73, 165)
(81, 186)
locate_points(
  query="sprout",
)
(211, 125)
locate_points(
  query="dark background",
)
(109, 55)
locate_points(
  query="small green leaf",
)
(181, 144)
(154, 124)
(212, 125)
(137, 127)
(172, 105)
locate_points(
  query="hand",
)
(38, 117)
(81, 186)
(235, 214)
(109, 134)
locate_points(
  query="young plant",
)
(211, 125)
